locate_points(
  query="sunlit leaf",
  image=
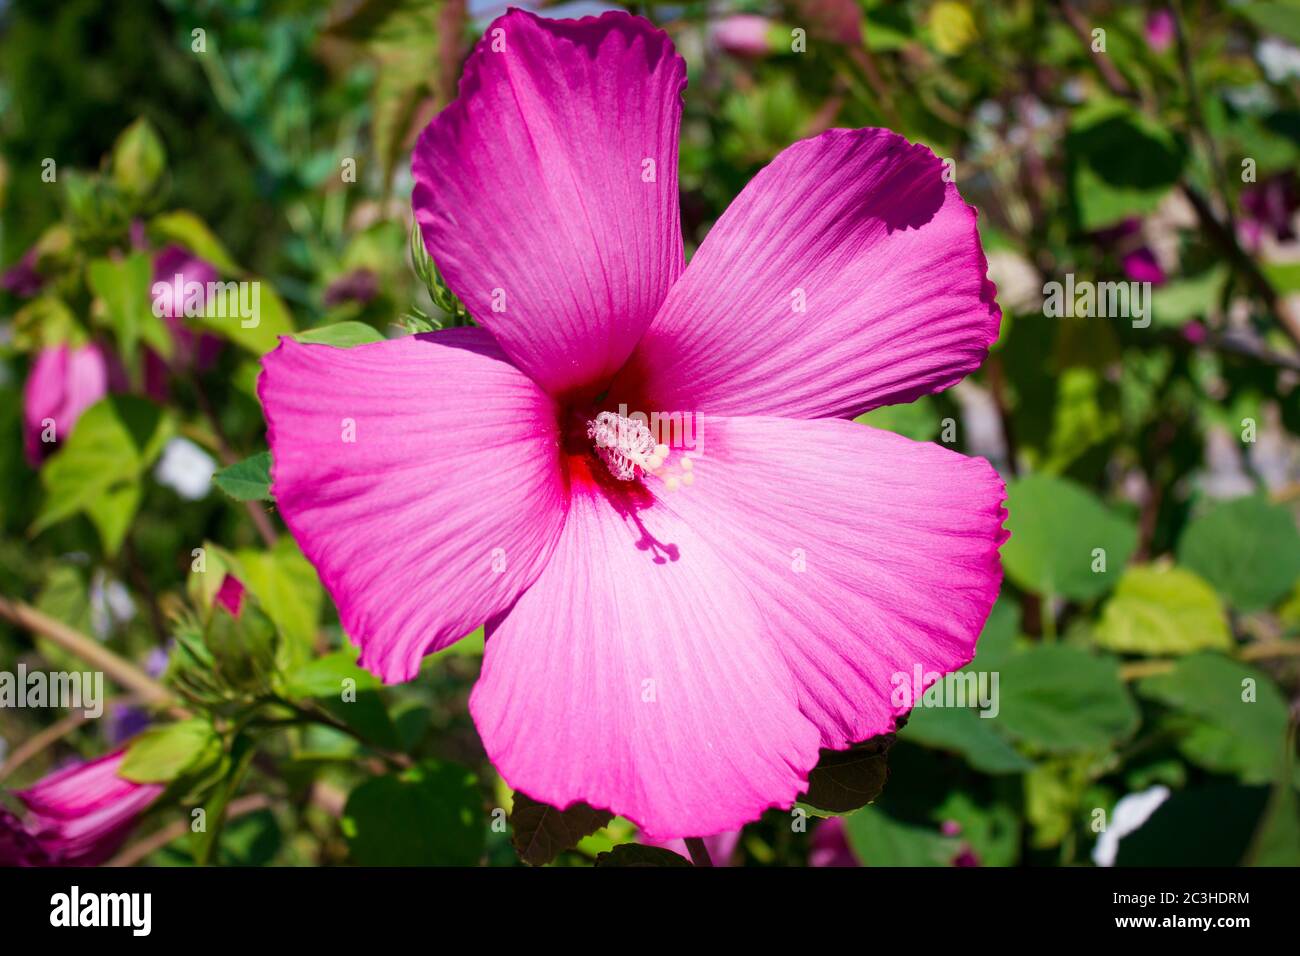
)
(1162, 610)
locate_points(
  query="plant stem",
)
(1047, 618)
(174, 831)
(698, 851)
(228, 458)
(120, 670)
(47, 737)
(1267, 649)
(315, 714)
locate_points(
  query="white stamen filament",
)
(625, 444)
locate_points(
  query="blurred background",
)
(1147, 639)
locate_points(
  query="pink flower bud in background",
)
(1269, 208)
(830, 845)
(75, 817)
(1140, 265)
(1194, 332)
(231, 595)
(64, 381)
(966, 857)
(744, 34)
(359, 285)
(189, 350)
(1160, 29)
(21, 278)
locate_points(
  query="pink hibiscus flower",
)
(678, 657)
(76, 817)
(63, 382)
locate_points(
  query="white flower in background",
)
(1129, 814)
(989, 113)
(981, 425)
(186, 469)
(1280, 59)
(110, 604)
(1254, 98)
(1224, 472)
(1020, 287)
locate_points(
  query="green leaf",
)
(1052, 792)
(113, 512)
(139, 160)
(541, 832)
(243, 648)
(267, 316)
(98, 468)
(1056, 529)
(1163, 610)
(636, 854)
(250, 840)
(1277, 838)
(430, 815)
(1120, 163)
(123, 286)
(845, 780)
(1279, 19)
(326, 676)
(1188, 298)
(1247, 548)
(1221, 731)
(343, 335)
(247, 480)
(186, 229)
(963, 731)
(366, 716)
(918, 420)
(1283, 276)
(45, 321)
(161, 754)
(286, 585)
(998, 638)
(1061, 699)
(992, 829)
(880, 840)
(65, 597)
(404, 39)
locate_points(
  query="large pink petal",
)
(79, 816)
(858, 228)
(869, 554)
(634, 675)
(532, 187)
(83, 788)
(443, 508)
